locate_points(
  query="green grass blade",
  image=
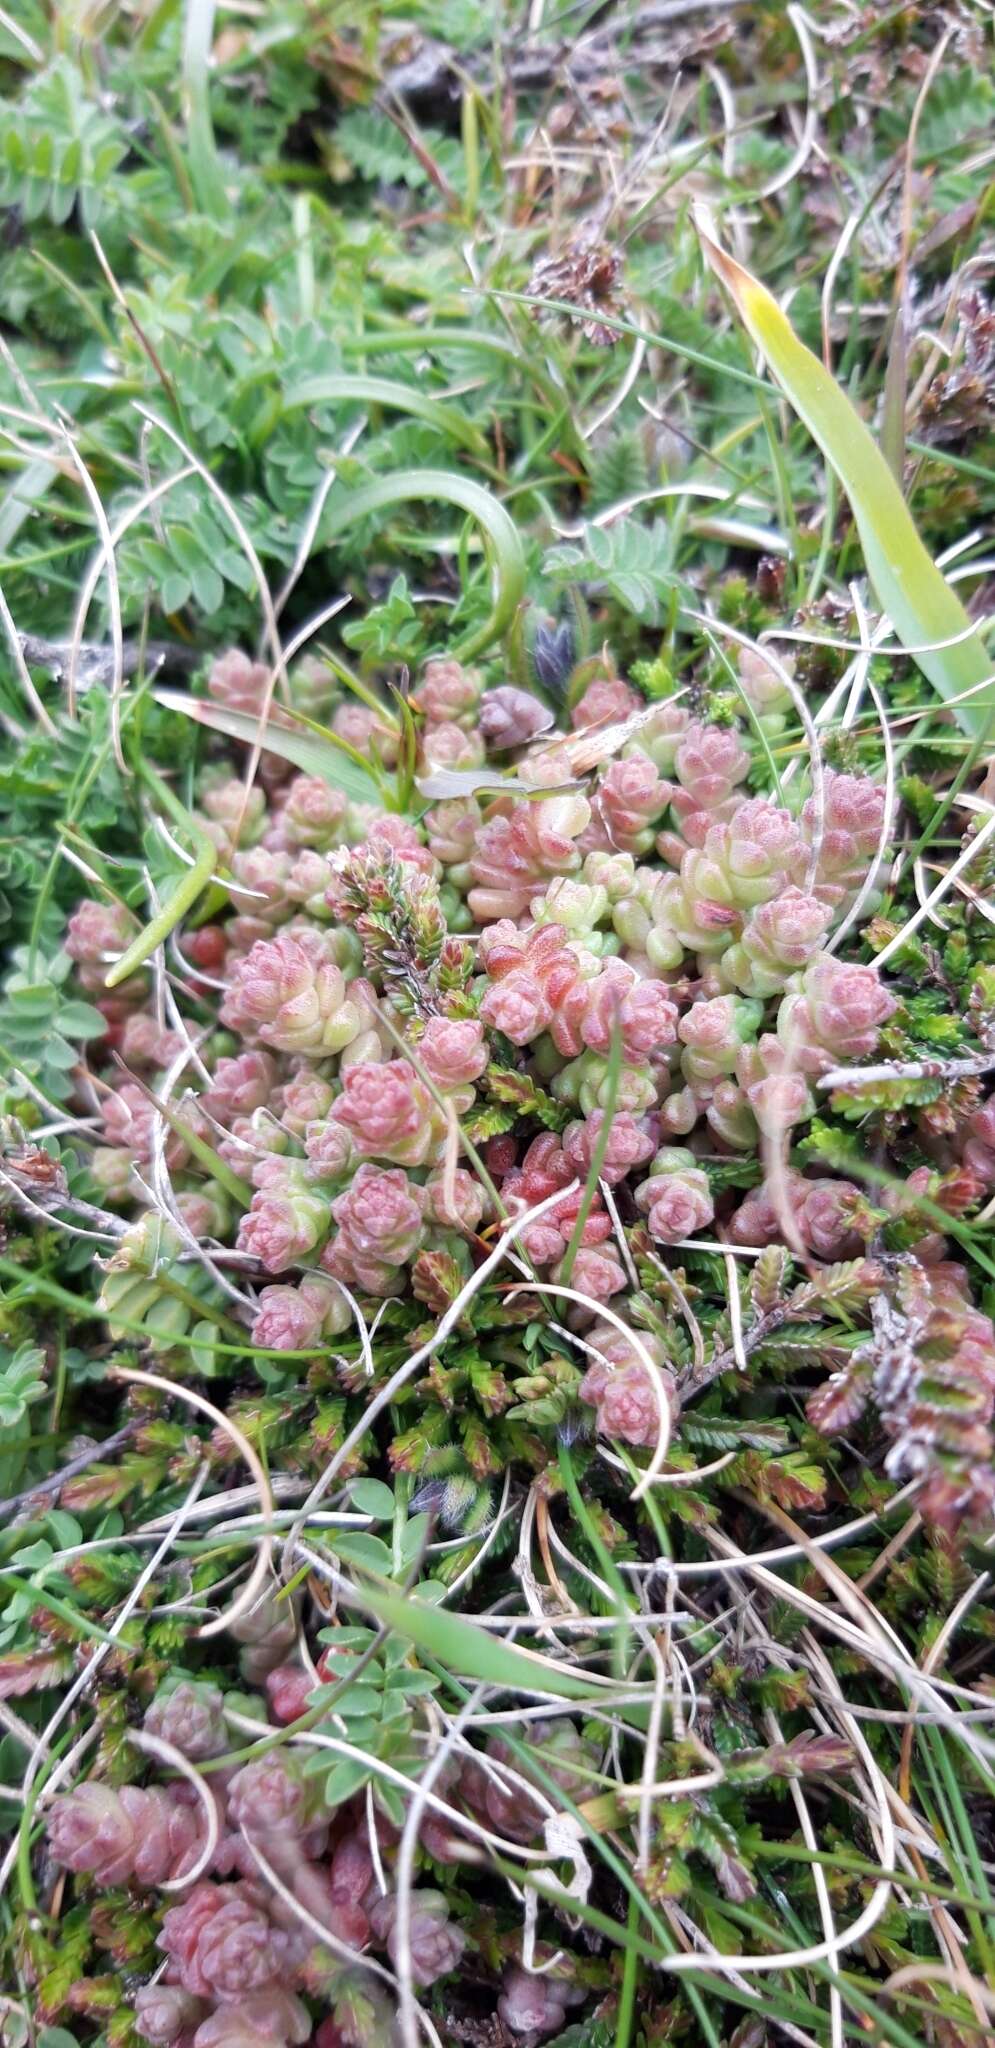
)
(205, 165)
(909, 587)
(430, 486)
(511, 355)
(190, 885)
(313, 756)
(396, 397)
(461, 1646)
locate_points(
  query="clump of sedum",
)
(611, 1007)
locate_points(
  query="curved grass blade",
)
(422, 340)
(909, 587)
(429, 486)
(396, 397)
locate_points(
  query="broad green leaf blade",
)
(909, 587)
(305, 750)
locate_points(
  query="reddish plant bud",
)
(500, 1155)
(286, 1221)
(456, 1201)
(260, 890)
(826, 1215)
(678, 1114)
(779, 938)
(714, 1032)
(269, 1631)
(453, 1051)
(709, 761)
(351, 1871)
(453, 828)
(288, 1690)
(207, 948)
(510, 718)
(330, 2035)
(630, 1143)
(778, 1101)
(145, 1043)
(763, 687)
(447, 691)
(290, 994)
(240, 1085)
(597, 1273)
(191, 1717)
(236, 817)
(388, 831)
(266, 2019)
(531, 2004)
(628, 1402)
(757, 1221)
(662, 734)
(517, 1006)
(435, 1945)
(836, 1015)
(525, 845)
(98, 933)
(238, 682)
(630, 799)
(367, 731)
(221, 1943)
(266, 1798)
(641, 1011)
(979, 1150)
(204, 1209)
(329, 1147)
(389, 1113)
(164, 2011)
(448, 746)
(114, 1836)
(829, 1219)
(129, 1117)
(853, 818)
(380, 1227)
(676, 1199)
(606, 701)
(305, 1099)
(313, 812)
